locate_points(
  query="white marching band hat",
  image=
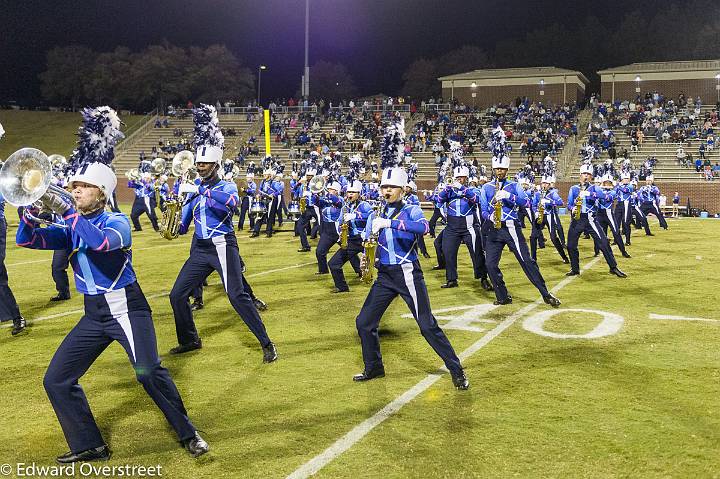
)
(502, 162)
(548, 179)
(334, 186)
(459, 171)
(586, 168)
(354, 187)
(395, 176)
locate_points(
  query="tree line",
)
(157, 76)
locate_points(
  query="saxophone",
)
(369, 247)
(303, 204)
(578, 204)
(344, 231)
(541, 210)
(497, 214)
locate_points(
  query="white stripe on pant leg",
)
(626, 203)
(469, 223)
(511, 229)
(609, 214)
(117, 303)
(146, 200)
(221, 248)
(591, 220)
(407, 269)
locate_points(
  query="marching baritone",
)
(115, 307)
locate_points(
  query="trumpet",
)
(25, 178)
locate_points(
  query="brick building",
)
(694, 78)
(483, 88)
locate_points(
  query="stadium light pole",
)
(473, 85)
(637, 84)
(542, 87)
(306, 74)
(717, 87)
(260, 69)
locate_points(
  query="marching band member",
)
(143, 188)
(330, 206)
(624, 192)
(280, 206)
(214, 245)
(303, 191)
(550, 201)
(582, 201)
(606, 217)
(462, 225)
(649, 197)
(115, 306)
(399, 272)
(501, 198)
(355, 213)
(433, 197)
(245, 201)
(268, 193)
(9, 309)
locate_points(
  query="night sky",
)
(377, 40)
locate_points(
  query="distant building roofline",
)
(522, 72)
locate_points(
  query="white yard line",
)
(164, 293)
(680, 318)
(361, 430)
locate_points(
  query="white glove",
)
(55, 203)
(584, 194)
(348, 217)
(503, 195)
(188, 188)
(380, 223)
(547, 201)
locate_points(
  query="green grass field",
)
(642, 402)
(51, 132)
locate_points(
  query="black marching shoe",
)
(499, 302)
(254, 235)
(303, 250)
(572, 272)
(185, 348)
(566, 261)
(616, 271)
(437, 267)
(322, 272)
(486, 285)
(269, 235)
(101, 453)
(196, 305)
(259, 304)
(377, 372)
(626, 255)
(649, 234)
(269, 353)
(196, 445)
(19, 326)
(338, 290)
(460, 380)
(61, 297)
(551, 300)
(450, 284)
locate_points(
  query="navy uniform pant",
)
(59, 272)
(123, 316)
(8, 306)
(328, 237)
(140, 206)
(437, 214)
(606, 219)
(304, 225)
(438, 243)
(267, 218)
(510, 234)
(622, 219)
(648, 208)
(406, 281)
(342, 256)
(550, 223)
(560, 229)
(244, 207)
(206, 255)
(462, 229)
(588, 222)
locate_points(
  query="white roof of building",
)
(678, 66)
(526, 72)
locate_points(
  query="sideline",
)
(314, 465)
